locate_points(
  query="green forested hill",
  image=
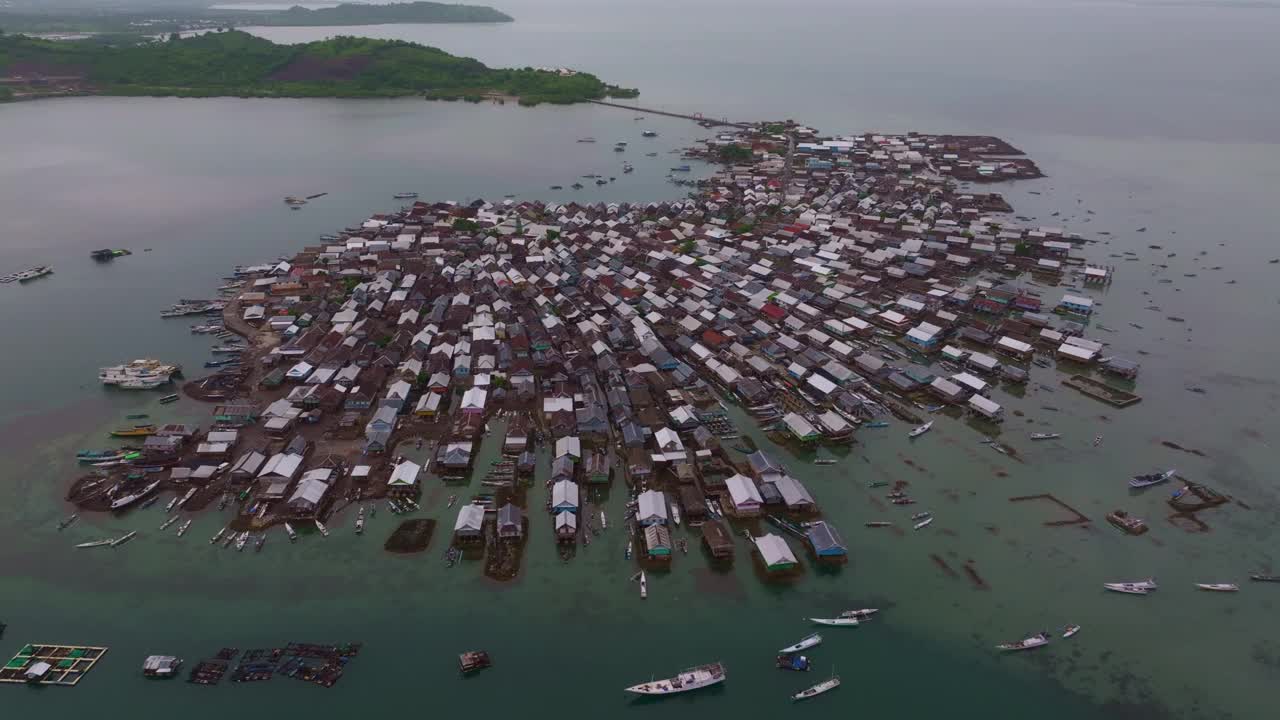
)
(237, 63)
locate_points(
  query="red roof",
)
(773, 311)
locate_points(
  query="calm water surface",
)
(1142, 117)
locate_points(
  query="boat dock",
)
(44, 664)
(696, 117)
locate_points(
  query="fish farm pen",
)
(42, 664)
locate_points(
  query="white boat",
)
(921, 430)
(1219, 587)
(360, 522)
(169, 507)
(1034, 641)
(604, 521)
(808, 642)
(240, 541)
(293, 535)
(863, 614)
(675, 514)
(694, 678)
(127, 500)
(324, 531)
(923, 523)
(825, 686)
(189, 494)
(1138, 588)
(837, 622)
(1045, 436)
(124, 538)
(172, 519)
(218, 536)
(1070, 630)
(96, 543)
(182, 529)
(644, 585)
(405, 195)
(1141, 481)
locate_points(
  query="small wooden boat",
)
(360, 522)
(923, 523)
(259, 542)
(825, 686)
(809, 641)
(241, 540)
(1034, 641)
(694, 678)
(824, 461)
(67, 523)
(1264, 578)
(903, 501)
(644, 585)
(141, 431)
(862, 614)
(218, 536)
(167, 523)
(168, 399)
(1219, 587)
(124, 538)
(324, 531)
(182, 529)
(293, 534)
(879, 524)
(96, 543)
(1045, 436)
(836, 622)
(1070, 630)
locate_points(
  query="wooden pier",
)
(696, 117)
(67, 663)
(1101, 391)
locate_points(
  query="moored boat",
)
(67, 523)
(1141, 481)
(878, 524)
(694, 678)
(862, 614)
(324, 531)
(96, 543)
(1034, 641)
(837, 622)
(917, 432)
(923, 523)
(827, 685)
(183, 528)
(360, 521)
(1264, 578)
(807, 642)
(161, 666)
(218, 536)
(124, 538)
(798, 663)
(1045, 436)
(138, 431)
(125, 501)
(1132, 588)
(1070, 630)
(1219, 587)
(293, 534)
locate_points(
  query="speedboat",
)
(1070, 630)
(1219, 587)
(836, 622)
(808, 642)
(694, 678)
(921, 430)
(1141, 481)
(1034, 641)
(826, 685)
(293, 535)
(799, 663)
(324, 531)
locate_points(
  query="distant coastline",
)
(237, 64)
(152, 21)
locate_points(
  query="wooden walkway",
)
(696, 117)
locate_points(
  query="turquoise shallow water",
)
(201, 183)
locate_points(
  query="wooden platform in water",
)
(1101, 391)
(68, 663)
